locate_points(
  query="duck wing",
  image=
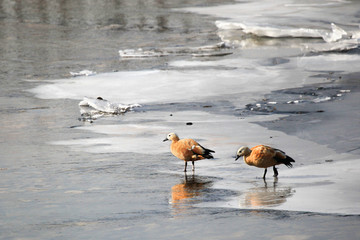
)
(196, 148)
(280, 156)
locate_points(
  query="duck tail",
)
(208, 156)
(207, 151)
(287, 161)
(281, 157)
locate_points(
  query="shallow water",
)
(114, 178)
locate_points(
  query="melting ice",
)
(282, 19)
(235, 79)
(91, 108)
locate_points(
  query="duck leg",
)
(276, 173)
(185, 166)
(265, 173)
(193, 166)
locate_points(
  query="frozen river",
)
(283, 74)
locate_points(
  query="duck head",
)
(243, 151)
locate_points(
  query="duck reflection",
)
(188, 192)
(265, 196)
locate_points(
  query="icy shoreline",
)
(317, 169)
(255, 68)
(242, 81)
(114, 178)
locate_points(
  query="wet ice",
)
(269, 55)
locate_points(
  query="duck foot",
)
(265, 173)
(276, 173)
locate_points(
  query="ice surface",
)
(271, 31)
(235, 80)
(115, 178)
(336, 33)
(238, 80)
(317, 186)
(336, 62)
(285, 19)
(285, 13)
(324, 188)
(221, 132)
(336, 39)
(343, 45)
(168, 86)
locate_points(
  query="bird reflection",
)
(188, 192)
(265, 196)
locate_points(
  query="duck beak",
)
(237, 157)
(165, 140)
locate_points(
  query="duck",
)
(188, 150)
(262, 156)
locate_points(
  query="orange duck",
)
(262, 156)
(188, 150)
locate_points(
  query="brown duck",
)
(262, 156)
(188, 150)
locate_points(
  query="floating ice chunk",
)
(217, 46)
(271, 30)
(336, 34)
(211, 54)
(190, 50)
(140, 53)
(266, 30)
(224, 25)
(345, 90)
(314, 4)
(341, 45)
(321, 99)
(294, 101)
(210, 50)
(99, 105)
(83, 73)
(355, 34)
